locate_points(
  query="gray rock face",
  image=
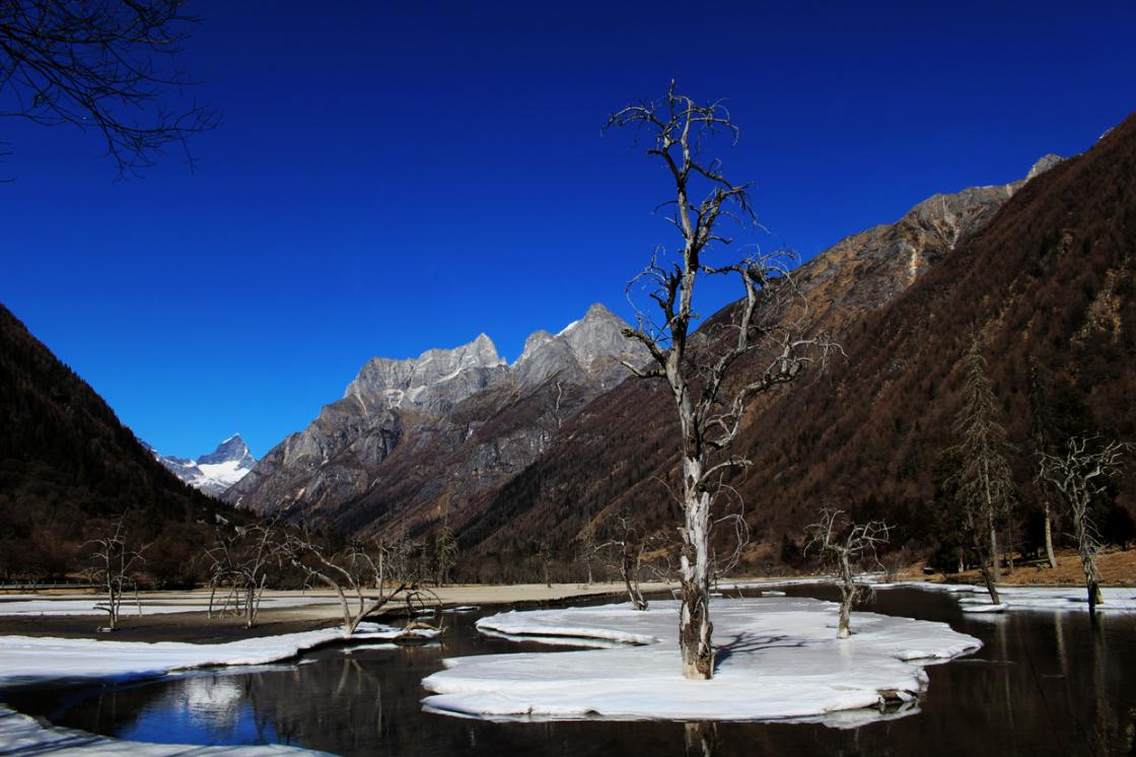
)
(215, 472)
(868, 269)
(433, 382)
(465, 412)
(588, 350)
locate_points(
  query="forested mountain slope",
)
(67, 464)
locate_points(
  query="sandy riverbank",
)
(282, 611)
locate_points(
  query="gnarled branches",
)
(846, 547)
(100, 65)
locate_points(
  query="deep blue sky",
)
(387, 178)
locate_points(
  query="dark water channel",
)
(1044, 683)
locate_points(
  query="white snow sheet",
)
(1116, 599)
(39, 660)
(42, 659)
(777, 658)
(23, 734)
(45, 659)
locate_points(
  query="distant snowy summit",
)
(215, 472)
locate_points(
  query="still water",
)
(1044, 683)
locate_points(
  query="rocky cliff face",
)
(437, 431)
(431, 383)
(865, 271)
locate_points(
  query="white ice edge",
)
(26, 660)
(778, 658)
(1013, 597)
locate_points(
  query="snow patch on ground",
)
(777, 658)
(1116, 599)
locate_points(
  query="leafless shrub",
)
(846, 547)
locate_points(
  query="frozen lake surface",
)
(1042, 683)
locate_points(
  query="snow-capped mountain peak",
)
(215, 471)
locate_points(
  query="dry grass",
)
(1117, 568)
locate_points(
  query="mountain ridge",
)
(447, 399)
(213, 472)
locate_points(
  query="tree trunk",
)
(989, 580)
(1088, 564)
(991, 588)
(112, 603)
(995, 567)
(1049, 538)
(1010, 549)
(695, 628)
(847, 594)
(633, 592)
(844, 630)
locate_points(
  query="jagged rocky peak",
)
(232, 449)
(588, 350)
(1043, 164)
(213, 472)
(434, 380)
(535, 341)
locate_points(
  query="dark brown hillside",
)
(1046, 275)
(1049, 279)
(66, 462)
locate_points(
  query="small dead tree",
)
(346, 572)
(116, 562)
(845, 547)
(238, 563)
(625, 552)
(1081, 475)
(544, 557)
(445, 553)
(984, 482)
(587, 551)
(710, 396)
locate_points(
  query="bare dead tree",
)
(984, 481)
(445, 549)
(1042, 442)
(238, 563)
(709, 405)
(350, 571)
(846, 547)
(544, 557)
(1081, 475)
(116, 562)
(587, 552)
(106, 65)
(625, 554)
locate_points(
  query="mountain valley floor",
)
(181, 615)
